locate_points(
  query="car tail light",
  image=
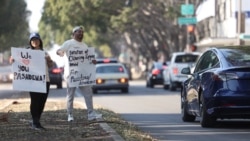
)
(156, 71)
(225, 76)
(175, 71)
(123, 80)
(99, 81)
(56, 70)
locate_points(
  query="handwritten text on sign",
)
(81, 68)
(28, 75)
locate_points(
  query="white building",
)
(223, 22)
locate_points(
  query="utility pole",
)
(239, 20)
(187, 44)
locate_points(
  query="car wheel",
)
(94, 91)
(59, 85)
(186, 117)
(151, 84)
(206, 119)
(172, 86)
(124, 90)
(166, 87)
(147, 84)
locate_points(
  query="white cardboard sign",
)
(29, 70)
(81, 69)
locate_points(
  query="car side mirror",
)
(186, 71)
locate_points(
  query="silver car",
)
(172, 77)
(6, 74)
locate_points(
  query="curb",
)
(107, 128)
(112, 132)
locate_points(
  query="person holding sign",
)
(86, 90)
(38, 99)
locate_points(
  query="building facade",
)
(218, 23)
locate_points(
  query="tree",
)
(146, 27)
(59, 18)
(14, 29)
(149, 27)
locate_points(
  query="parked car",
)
(111, 75)
(56, 75)
(172, 77)
(218, 88)
(154, 75)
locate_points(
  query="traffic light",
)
(191, 37)
(191, 34)
(193, 48)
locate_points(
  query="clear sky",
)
(35, 6)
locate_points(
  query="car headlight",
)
(11, 76)
(99, 81)
(123, 80)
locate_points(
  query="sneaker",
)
(40, 127)
(37, 127)
(93, 116)
(70, 118)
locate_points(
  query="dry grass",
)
(15, 118)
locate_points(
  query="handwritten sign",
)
(29, 70)
(81, 69)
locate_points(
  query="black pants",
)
(37, 104)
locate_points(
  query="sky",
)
(35, 6)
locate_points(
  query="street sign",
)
(187, 20)
(247, 14)
(244, 36)
(187, 9)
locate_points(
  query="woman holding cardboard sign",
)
(38, 99)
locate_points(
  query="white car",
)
(6, 74)
(172, 77)
(111, 76)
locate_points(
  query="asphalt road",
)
(157, 112)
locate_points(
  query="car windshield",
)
(110, 69)
(187, 58)
(237, 57)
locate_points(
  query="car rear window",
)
(187, 58)
(110, 69)
(237, 57)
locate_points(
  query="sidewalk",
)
(54, 119)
